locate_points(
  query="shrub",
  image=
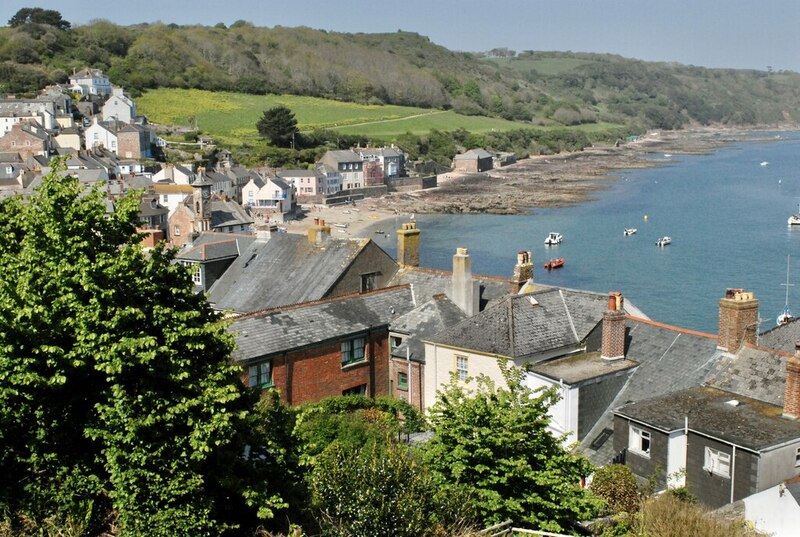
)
(617, 485)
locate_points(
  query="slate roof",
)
(211, 246)
(751, 424)
(755, 372)
(296, 173)
(473, 154)
(427, 283)
(425, 321)
(280, 183)
(264, 334)
(339, 156)
(286, 269)
(668, 359)
(521, 326)
(228, 213)
(782, 338)
(580, 367)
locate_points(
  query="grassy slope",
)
(231, 117)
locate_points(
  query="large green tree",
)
(278, 125)
(37, 15)
(115, 380)
(496, 442)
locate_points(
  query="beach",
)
(537, 182)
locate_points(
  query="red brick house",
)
(321, 349)
(26, 139)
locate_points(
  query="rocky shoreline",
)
(555, 180)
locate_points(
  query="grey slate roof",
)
(473, 154)
(521, 326)
(751, 424)
(428, 282)
(782, 338)
(343, 155)
(264, 334)
(286, 269)
(228, 213)
(422, 322)
(668, 360)
(755, 372)
(210, 246)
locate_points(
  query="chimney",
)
(523, 271)
(791, 389)
(738, 320)
(408, 245)
(613, 346)
(318, 232)
(464, 290)
(264, 231)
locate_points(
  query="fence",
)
(504, 529)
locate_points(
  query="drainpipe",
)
(410, 378)
(733, 470)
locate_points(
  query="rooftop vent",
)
(733, 402)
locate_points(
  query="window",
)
(176, 231)
(394, 342)
(461, 367)
(197, 276)
(260, 375)
(639, 441)
(717, 462)
(352, 351)
(369, 281)
(361, 389)
(165, 198)
(402, 380)
(797, 457)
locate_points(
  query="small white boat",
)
(794, 220)
(343, 226)
(630, 231)
(663, 241)
(786, 315)
(667, 155)
(764, 163)
(553, 239)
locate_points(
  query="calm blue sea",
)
(725, 213)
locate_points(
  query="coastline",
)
(544, 181)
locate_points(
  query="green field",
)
(545, 66)
(231, 117)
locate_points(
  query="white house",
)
(101, 134)
(175, 173)
(90, 82)
(273, 195)
(119, 106)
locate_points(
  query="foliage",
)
(495, 441)
(37, 15)
(278, 125)
(617, 485)
(115, 382)
(667, 516)
(382, 490)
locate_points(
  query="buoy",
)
(645, 218)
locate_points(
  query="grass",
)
(544, 66)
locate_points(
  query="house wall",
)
(773, 512)
(440, 362)
(371, 259)
(564, 413)
(68, 140)
(27, 145)
(676, 459)
(644, 467)
(132, 144)
(777, 466)
(466, 165)
(415, 381)
(594, 398)
(316, 372)
(711, 489)
(181, 226)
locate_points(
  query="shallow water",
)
(725, 212)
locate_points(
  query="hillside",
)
(403, 69)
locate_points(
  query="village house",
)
(473, 161)
(210, 255)
(391, 161)
(90, 82)
(204, 211)
(27, 139)
(332, 179)
(175, 173)
(153, 215)
(271, 198)
(171, 195)
(43, 111)
(119, 106)
(124, 139)
(349, 165)
(330, 347)
(308, 183)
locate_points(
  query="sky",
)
(745, 34)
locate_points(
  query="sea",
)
(726, 213)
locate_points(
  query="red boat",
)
(554, 263)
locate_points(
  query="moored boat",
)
(554, 263)
(663, 241)
(794, 220)
(553, 238)
(630, 231)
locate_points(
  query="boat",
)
(629, 231)
(379, 231)
(667, 155)
(794, 220)
(343, 226)
(764, 163)
(663, 241)
(554, 263)
(553, 238)
(786, 315)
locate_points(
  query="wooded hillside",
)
(399, 68)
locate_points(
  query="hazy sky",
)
(711, 33)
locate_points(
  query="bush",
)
(617, 485)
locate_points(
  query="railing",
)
(505, 529)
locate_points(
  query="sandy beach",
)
(536, 182)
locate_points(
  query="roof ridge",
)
(569, 316)
(671, 327)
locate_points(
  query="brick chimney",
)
(464, 290)
(738, 320)
(613, 346)
(791, 389)
(523, 271)
(408, 245)
(319, 231)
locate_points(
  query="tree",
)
(37, 15)
(115, 379)
(278, 125)
(496, 442)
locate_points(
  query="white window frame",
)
(797, 457)
(354, 351)
(717, 462)
(197, 275)
(639, 441)
(260, 375)
(462, 367)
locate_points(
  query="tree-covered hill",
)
(400, 68)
